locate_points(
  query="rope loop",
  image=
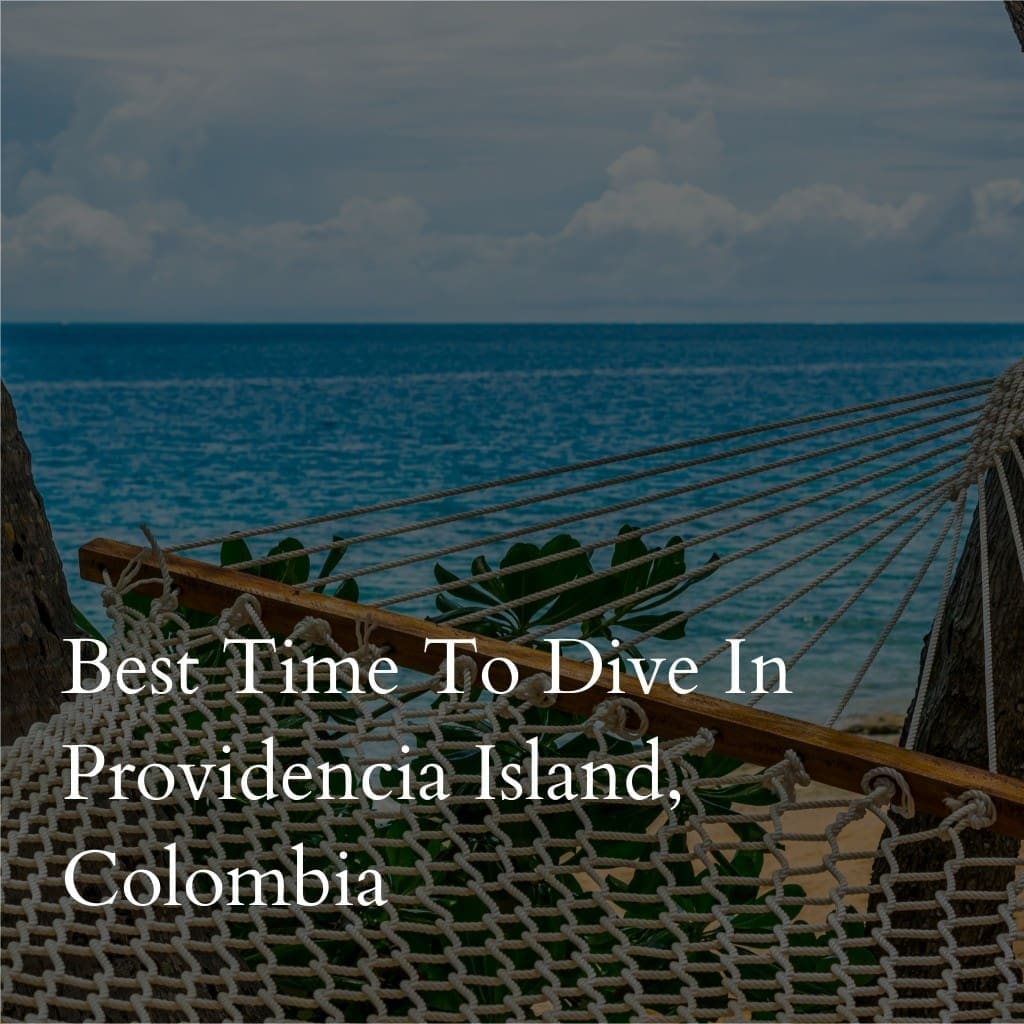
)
(788, 773)
(158, 554)
(536, 690)
(465, 674)
(889, 784)
(613, 716)
(166, 604)
(364, 630)
(700, 744)
(972, 807)
(245, 611)
(315, 631)
(466, 670)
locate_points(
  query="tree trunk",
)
(36, 610)
(1015, 9)
(953, 717)
(953, 726)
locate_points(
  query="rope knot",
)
(536, 690)
(701, 743)
(788, 773)
(165, 604)
(245, 611)
(316, 631)
(613, 716)
(972, 807)
(888, 783)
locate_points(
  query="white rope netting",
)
(751, 899)
(741, 893)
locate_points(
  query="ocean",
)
(200, 429)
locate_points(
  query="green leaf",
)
(472, 594)
(630, 581)
(564, 569)
(348, 590)
(292, 570)
(138, 602)
(234, 551)
(670, 566)
(334, 556)
(583, 590)
(752, 795)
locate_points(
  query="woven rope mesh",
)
(739, 893)
(736, 904)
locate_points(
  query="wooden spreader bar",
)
(758, 737)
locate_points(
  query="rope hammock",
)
(790, 871)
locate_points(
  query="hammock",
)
(787, 871)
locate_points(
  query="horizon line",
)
(507, 323)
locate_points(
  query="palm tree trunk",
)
(36, 611)
(953, 726)
(1015, 9)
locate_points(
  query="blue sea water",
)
(202, 429)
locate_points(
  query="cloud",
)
(680, 149)
(395, 220)
(578, 161)
(691, 146)
(641, 163)
(825, 206)
(62, 225)
(651, 245)
(999, 208)
(685, 212)
(696, 217)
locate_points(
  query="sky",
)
(472, 162)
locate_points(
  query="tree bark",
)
(1015, 9)
(36, 609)
(952, 719)
(953, 726)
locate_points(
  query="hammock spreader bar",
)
(758, 737)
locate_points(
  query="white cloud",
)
(999, 207)
(62, 225)
(497, 160)
(679, 150)
(641, 163)
(818, 206)
(692, 147)
(647, 249)
(685, 212)
(696, 217)
(396, 219)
